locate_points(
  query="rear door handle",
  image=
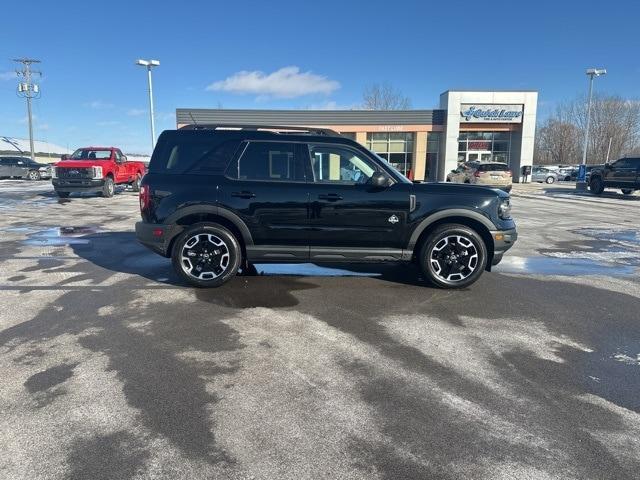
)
(332, 197)
(243, 194)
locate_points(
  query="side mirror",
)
(379, 180)
(607, 165)
(124, 158)
(65, 157)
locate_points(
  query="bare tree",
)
(384, 97)
(557, 142)
(612, 119)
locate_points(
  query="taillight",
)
(144, 197)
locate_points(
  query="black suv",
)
(623, 174)
(219, 198)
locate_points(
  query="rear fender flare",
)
(213, 210)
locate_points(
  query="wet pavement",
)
(112, 368)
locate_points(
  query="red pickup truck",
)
(95, 169)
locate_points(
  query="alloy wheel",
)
(205, 256)
(454, 258)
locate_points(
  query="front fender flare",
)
(450, 212)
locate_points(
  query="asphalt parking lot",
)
(114, 369)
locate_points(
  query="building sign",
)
(491, 113)
(479, 145)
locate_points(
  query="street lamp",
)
(150, 64)
(581, 184)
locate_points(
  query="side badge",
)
(393, 219)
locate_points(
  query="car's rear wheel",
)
(33, 175)
(206, 255)
(627, 191)
(550, 180)
(135, 185)
(453, 256)
(596, 185)
(109, 188)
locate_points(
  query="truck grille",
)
(74, 172)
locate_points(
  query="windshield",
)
(396, 174)
(90, 154)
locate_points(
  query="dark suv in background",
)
(623, 174)
(23, 167)
(217, 198)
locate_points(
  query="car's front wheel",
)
(33, 175)
(206, 255)
(596, 185)
(453, 256)
(108, 188)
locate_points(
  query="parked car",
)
(95, 169)
(23, 167)
(542, 174)
(564, 174)
(489, 174)
(623, 174)
(217, 199)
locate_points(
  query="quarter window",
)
(339, 164)
(275, 161)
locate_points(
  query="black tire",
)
(63, 194)
(627, 191)
(452, 247)
(33, 175)
(550, 180)
(135, 185)
(109, 188)
(596, 185)
(220, 251)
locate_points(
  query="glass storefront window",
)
(497, 144)
(396, 147)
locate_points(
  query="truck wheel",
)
(596, 185)
(135, 185)
(33, 175)
(63, 194)
(108, 188)
(627, 191)
(453, 256)
(206, 255)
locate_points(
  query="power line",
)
(29, 90)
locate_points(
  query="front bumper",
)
(157, 237)
(77, 184)
(503, 240)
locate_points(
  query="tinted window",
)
(191, 151)
(276, 161)
(339, 164)
(493, 167)
(91, 154)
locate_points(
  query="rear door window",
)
(270, 161)
(493, 167)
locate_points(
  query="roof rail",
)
(279, 129)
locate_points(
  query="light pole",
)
(581, 184)
(29, 90)
(150, 64)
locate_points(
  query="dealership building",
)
(423, 144)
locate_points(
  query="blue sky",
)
(285, 54)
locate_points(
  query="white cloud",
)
(288, 82)
(8, 75)
(98, 104)
(136, 112)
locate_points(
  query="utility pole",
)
(581, 183)
(28, 90)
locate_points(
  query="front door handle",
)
(332, 197)
(243, 194)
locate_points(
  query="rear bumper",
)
(157, 237)
(503, 240)
(77, 185)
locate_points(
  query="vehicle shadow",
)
(120, 252)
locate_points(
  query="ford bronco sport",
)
(218, 198)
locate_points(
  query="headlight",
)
(43, 169)
(54, 172)
(96, 172)
(504, 210)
